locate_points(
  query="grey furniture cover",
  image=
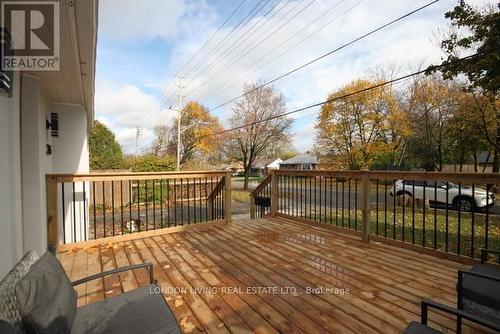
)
(137, 311)
(482, 296)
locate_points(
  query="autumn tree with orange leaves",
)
(198, 127)
(352, 132)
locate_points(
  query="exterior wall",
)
(70, 155)
(33, 164)
(11, 242)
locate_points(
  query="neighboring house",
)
(304, 161)
(236, 167)
(261, 167)
(30, 149)
(484, 164)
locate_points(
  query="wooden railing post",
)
(228, 199)
(51, 204)
(274, 193)
(365, 196)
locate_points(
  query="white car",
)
(461, 199)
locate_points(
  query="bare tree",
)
(160, 141)
(258, 114)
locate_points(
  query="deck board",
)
(217, 264)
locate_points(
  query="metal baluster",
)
(103, 209)
(206, 199)
(84, 213)
(74, 213)
(403, 219)
(336, 201)
(413, 213)
(473, 219)
(446, 222)
(349, 203)
(161, 203)
(343, 200)
(64, 213)
(487, 220)
(168, 203)
(181, 193)
(423, 217)
(113, 206)
(201, 203)
(154, 204)
(188, 208)
(95, 216)
(394, 213)
(175, 204)
(355, 204)
(130, 199)
(331, 201)
(376, 207)
(146, 203)
(385, 208)
(121, 204)
(435, 214)
(459, 218)
(320, 197)
(139, 222)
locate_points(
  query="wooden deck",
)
(374, 288)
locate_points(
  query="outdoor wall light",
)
(53, 124)
(5, 50)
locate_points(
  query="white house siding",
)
(35, 163)
(71, 155)
(11, 245)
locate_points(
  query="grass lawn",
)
(240, 195)
(433, 230)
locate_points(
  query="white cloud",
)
(144, 20)
(123, 107)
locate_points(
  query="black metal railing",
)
(455, 213)
(93, 206)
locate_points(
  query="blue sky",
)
(142, 45)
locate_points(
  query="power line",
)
(344, 96)
(235, 45)
(225, 39)
(329, 53)
(211, 94)
(221, 43)
(164, 96)
(271, 33)
(212, 36)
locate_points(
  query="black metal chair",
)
(423, 328)
(478, 289)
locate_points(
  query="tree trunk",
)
(496, 163)
(474, 156)
(247, 174)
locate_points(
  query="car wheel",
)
(464, 204)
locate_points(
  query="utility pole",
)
(179, 116)
(138, 133)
